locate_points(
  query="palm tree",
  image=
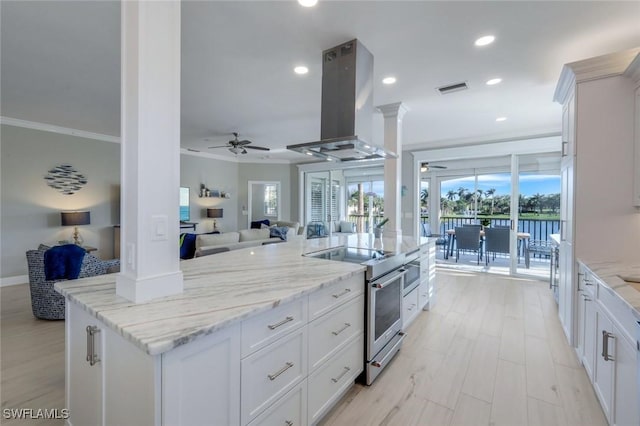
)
(451, 195)
(489, 192)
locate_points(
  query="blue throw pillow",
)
(279, 231)
(258, 223)
(63, 262)
(187, 246)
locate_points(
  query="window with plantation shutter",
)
(317, 201)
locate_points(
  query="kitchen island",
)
(233, 348)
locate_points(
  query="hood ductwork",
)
(346, 121)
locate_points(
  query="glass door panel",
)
(539, 212)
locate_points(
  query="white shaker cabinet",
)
(596, 95)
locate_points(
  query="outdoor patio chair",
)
(539, 247)
(468, 238)
(440, 240)
(496, 241)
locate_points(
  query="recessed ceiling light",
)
(308, 3)
(389, 80)
(301, 70)
(501, 119)
(483, 41)
(493, 81)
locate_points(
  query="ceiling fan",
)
(425, 167)
(239, 146)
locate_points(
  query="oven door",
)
(412, 277)
(385, 311)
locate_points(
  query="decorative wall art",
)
(65, 179)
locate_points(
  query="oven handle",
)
(385, 283)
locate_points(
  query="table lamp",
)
(214, 213)
(74, 219)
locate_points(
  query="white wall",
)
(31, 209)
(607, 225)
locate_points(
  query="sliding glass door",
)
(324, 192)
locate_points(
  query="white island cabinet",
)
(251, 372)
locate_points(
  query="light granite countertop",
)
(609, 273)
(223, 289)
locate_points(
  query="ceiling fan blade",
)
(220, 146)
(260, 148)
(243, 142)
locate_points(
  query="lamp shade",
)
(75, 218)
(215, 213)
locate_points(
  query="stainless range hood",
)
(347, 107)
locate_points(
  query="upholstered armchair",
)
(46, 303)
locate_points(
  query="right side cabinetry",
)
(607, 349)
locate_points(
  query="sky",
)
(529, 184)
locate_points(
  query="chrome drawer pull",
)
(283, 322)
(92, 357)
(346, 290)
(345, 371)
(279, 372)
(605, 345)
(346, 325)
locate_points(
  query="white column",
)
(393, 114)
(150, 150)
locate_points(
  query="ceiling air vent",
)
(450, 88)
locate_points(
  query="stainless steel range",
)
(384, 283)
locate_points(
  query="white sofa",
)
(234, 240)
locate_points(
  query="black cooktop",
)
(353, 255)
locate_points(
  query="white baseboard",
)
(20, 279)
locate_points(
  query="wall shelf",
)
(212, 193)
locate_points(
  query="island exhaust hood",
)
(347, 107)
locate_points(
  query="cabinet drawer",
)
(328, 298)
(330, 381)
(261, 330)
(291, 409)
(410, 307)
(271, 372)
(617, 309)
(330, 333)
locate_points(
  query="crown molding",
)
(633, 72)
(57, 129)
(610, 65)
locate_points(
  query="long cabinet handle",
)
(283, 322)
(564, 153)
(344, 371)
(346, 325)
(605, 345)
(92, 357)
(346, 291)
(275, 375)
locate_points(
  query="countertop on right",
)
(610, 272)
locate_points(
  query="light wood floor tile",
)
(481, 374)
(417, 412)
(579, 401)
(471, 412)
(541, 377)
(512, 340)
(534, 322)
(493, 320)
(541, 413)
(514, 302)
(509, 407)
(561, 352)
(448, 379)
